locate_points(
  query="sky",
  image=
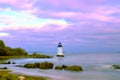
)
(80, 25)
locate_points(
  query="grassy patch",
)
(34, 78)
(6, 75)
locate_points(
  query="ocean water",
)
(97, 66)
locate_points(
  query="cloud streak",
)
(3, 34)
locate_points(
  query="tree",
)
(2, 52)
(2, 45)
(8, 51)
(19, 52)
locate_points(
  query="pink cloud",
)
(24, 4)
(13, 20)
(8, 1)
(100, 14)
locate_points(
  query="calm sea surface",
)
(97, 66)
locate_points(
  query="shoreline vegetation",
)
(8, 52)
(34, 55)
(6, 74)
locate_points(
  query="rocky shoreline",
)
(49, 65)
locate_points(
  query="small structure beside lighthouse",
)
(60, 51)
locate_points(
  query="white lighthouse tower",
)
(60, 51)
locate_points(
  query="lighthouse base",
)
(60, 55)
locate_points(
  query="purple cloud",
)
(91, 25)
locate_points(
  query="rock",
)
(116, 66)
(4, 68)
(64, 66)
(59, 67)
(18, 66)
(13, 63)
(29, 65)
(74, 68)
(46, 65)
(21, 77)
(37, 65)
(8, 62)
(49, 65)
(70, 68)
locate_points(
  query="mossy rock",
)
(58, 67)
(29, 65)
(18, 65)
(116, 66)
(46, 65)
(37, 65)
(61, 67)
(64, 66)
(74, 68)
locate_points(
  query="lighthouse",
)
(60, 51)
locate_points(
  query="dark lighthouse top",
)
(59, 44)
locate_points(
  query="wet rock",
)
(18, 65)
(13, 63)
(29, 65)
(46, 65)
(4, 68)
(59, 68)
(116, 66)
(74, 68)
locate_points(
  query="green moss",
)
(34, 78)
(46, 65)
(58, 67)
(64, 66)
(37, 65)
(61, 67)
(49, 65)
(116, 66)
(70, 68)
(74, 68)
(29, 65)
